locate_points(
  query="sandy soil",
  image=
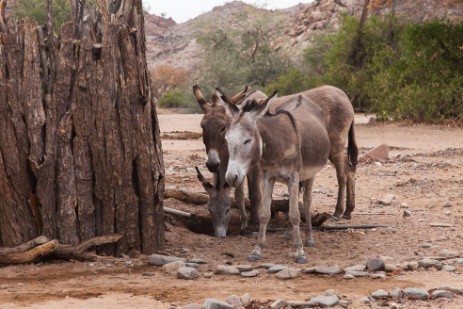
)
(424, 173)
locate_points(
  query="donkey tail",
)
(352, 150)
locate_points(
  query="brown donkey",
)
(291, 145)
(214, 125)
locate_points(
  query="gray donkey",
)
(291, 145)
(214, 125)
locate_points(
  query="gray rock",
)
(380, 294)
(426, 245)
(208, 274)
(159, 259)
(390, 268)
(192, 306)
(416, 293)
(245, 299)
(334, 270)
(447, 204)
(359, 267)
(279, 303)
(288, 273)
(276, 268)
(172, 267)
(442, 294)
(449, 268)
(397, 294)
(410, 265)
(387, 199)
(187, 273)
(375, 264)
(325, 301)
(234, 300)
(331, 292)
(344, 303)
(358, 273)
(455, 290)
(406, 214)
(242, 268)
(449, 253)
(266, 265)
(348, 276)
(427, 263)
(227, 270)
(378, 276)
(197, 261)
(210, 303)
(394, 306)
(193, 265)
(365, 300)
(301, 304)
(459, 261)
(250, 274)
(309, 270)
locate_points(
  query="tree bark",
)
(80, 147)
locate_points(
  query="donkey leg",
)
(295, 218)
(339, 160)
(307, 198)
(239, 199)
(350, 195)
(255, 193)
(265, 213)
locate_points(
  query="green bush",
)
(37, 10)
(179, 98)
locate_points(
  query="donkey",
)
(214, 125)
(291, 145)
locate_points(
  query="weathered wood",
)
(30, 255)
(26, 246)
(187, 197)
(176, 212)
(78, 251)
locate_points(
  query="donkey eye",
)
(247, 141)
(223, 130)
(227, 211)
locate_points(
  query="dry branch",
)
(77, 252)
(181, 135)
(30, 255)
(26, 246)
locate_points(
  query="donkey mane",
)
(249, 105)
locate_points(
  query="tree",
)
(166, 77)
(80, 153)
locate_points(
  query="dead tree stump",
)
(80, 148)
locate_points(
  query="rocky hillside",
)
(293, 29)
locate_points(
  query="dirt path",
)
(424, 174)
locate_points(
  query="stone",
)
(331, 292)
(279, 303)
(387, 199)
(375, 264)
(208, 274)
(325, 301)
(380, 294)
(211, 303)
(396, 294)
(407, 214)
(234, 300)
(378, 276)
(172, 267)
(455, 290)
(379, 153)
(358, 273)
(193, 265)
(442, 294)
(266, 265)
(227, 270)
(359, 267)
(300, 304)
(187, 273)
(250, 274)
(449, 254)
(459, 261)
(245, 299)
(288, 273)
(344, 303)
(276, 268)
(410, 265)
(197, 261)
(449, 268)
(447, 204)
(416, 293)
(242, 268)
(159, 259)
(192, 306)
(390, 268)
(426, 245)
(334, 270)
(440, 224)
(348, 276)
(311, 270)
(365, 300)
(427, 263)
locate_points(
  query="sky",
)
(183, 10)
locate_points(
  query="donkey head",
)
(214, 125)
(219, 204)
(243, 137)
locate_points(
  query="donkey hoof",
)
(309, 243)
(253, 257)
(346, 216)
(301, 259)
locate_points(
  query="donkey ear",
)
(200, 99)
(206, 184)
(239, 96)
(231, 109)
(262, 108)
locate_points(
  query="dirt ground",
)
(424, 173)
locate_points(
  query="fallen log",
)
(39, 247)
(30, 255)
(181, 135)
